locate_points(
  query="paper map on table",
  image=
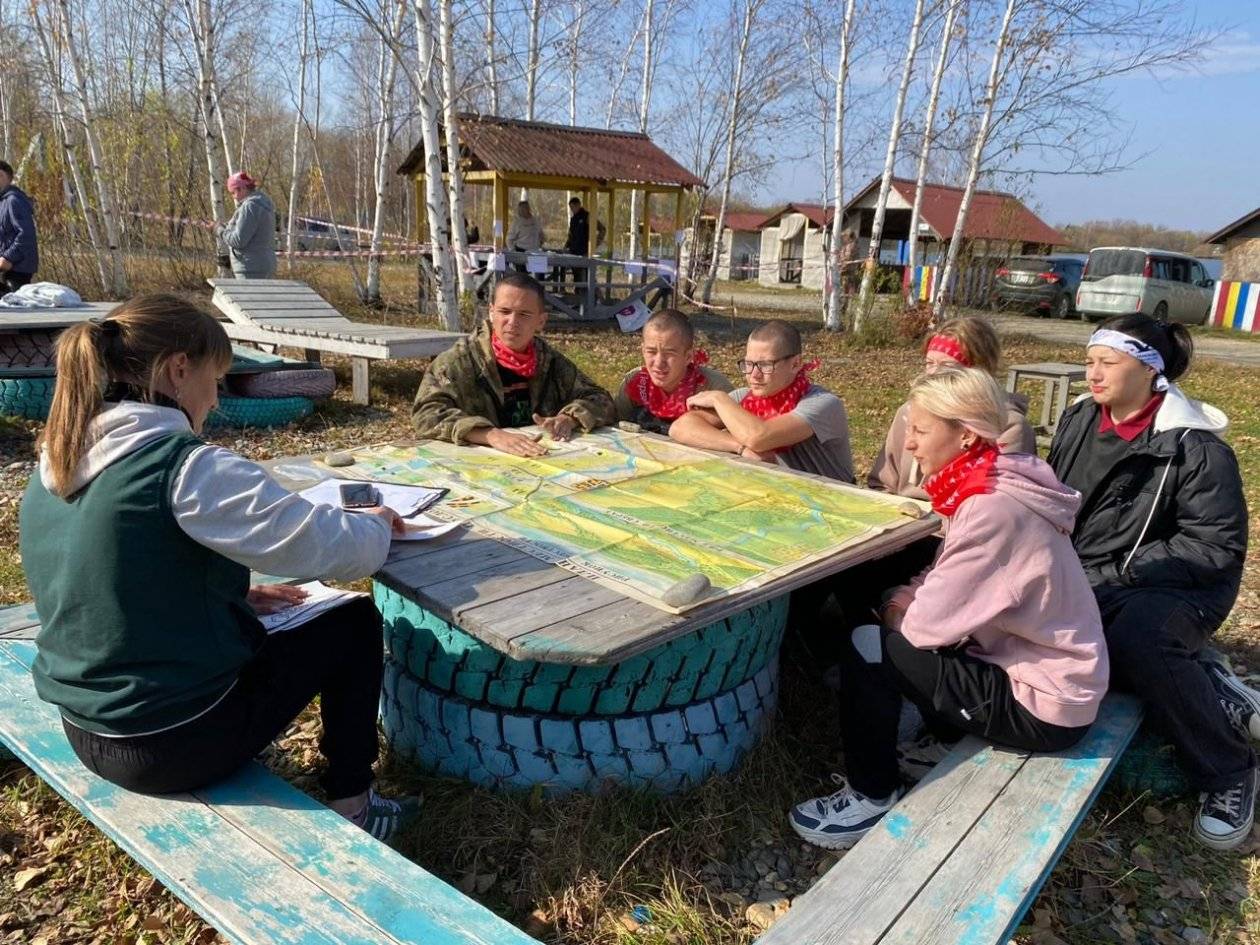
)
(640, 514)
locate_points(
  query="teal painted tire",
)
(695, 666)
(259, 411)
(28, 397)
(1151, 764)
(668, 750)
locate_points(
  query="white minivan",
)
(1120, 280)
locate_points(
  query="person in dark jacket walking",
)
(578, 241)
(19, 249)
(1162, 533)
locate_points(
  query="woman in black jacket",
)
(1162, 533)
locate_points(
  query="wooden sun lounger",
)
(291, 313)
(51, 319)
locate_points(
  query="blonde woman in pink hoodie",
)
(1000, 637)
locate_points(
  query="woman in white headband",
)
(1162, 533)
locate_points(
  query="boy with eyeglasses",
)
(505, 376)
(781, 416)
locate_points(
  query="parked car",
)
(1168, 286)
(1045, 284)
(318, 235)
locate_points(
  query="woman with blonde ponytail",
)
(1000, 637)
(137, 540)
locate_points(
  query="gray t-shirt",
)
(827, 452)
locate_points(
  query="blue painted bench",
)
(258, 859)
(963, 856)
(959, 860)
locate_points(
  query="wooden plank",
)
(28, 319)
(450, 599)
(295, 339)
(992, 877)
(227, 283)
(613, 633)
(247, 894)
(360, 383)
(19, 622)
(521, 613)
(465, 561)
(857, 900)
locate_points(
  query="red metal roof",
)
(816, 213)
(744, 221)
(993, 215)
(1225, 232)
(532, 147)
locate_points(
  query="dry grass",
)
(569, 870)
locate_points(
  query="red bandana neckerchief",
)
(949, 347)
(970, 473)
(784, 401)
(1128, 430)
(524, 363)
(642, 390)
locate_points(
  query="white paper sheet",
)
(320, 599)
(405, 500)
(423, 528)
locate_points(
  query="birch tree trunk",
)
(207, 105)
(835, 302)
(454, 175)
(387, 73)
(977, 158)
(491, 65)
(117, 277)
(929, 123)
(68, 146)
(732, 125)
(866, 297)
(645, 103)
(295, 164)
(531, 74)
(575, 57)
(436, 208)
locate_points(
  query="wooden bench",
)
(258, 859)
(1058, 379)
(964, 855)
(290, 313)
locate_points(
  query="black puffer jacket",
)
(1171, 514)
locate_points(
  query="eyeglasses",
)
(765, 367)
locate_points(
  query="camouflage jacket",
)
(461, 391)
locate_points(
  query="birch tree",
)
(295, 164)
(201, 27)
(533, 54)
(645, 104)
(387, 71)
(890, 161)
(836, 299)
(455, 176)
(117, 277)
(436, 206)
(925, 149)
(492, 64)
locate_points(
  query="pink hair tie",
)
(951, 348)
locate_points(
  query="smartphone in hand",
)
(359, 495)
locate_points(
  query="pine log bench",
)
(959, 860)
(259, 860)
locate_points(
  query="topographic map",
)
(641, 514)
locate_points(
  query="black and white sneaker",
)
(839, 820)
(1240, 702)
(1225, 816)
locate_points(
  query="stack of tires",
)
(666, 719)
(269, 391)
(27, 373)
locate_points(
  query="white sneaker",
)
(839, 820)
(916, 759)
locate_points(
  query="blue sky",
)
(1195, 141)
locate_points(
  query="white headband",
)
(1134, 348)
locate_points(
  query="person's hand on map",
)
(270, 598)
(558, 428)
(518, 444)
(707, 399)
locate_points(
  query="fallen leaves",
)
(29, 876)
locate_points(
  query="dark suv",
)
(1045, 284)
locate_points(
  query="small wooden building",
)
(794, 242)
(1241, 240)
(597, 165)
(741, 244)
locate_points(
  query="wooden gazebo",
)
(506, 153)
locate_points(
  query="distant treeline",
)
(1084, 236)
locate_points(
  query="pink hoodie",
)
(1008, 579)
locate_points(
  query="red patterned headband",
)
(951, 347)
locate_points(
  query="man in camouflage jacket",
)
(504, 376)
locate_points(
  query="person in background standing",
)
(19, 249)
(249, 235)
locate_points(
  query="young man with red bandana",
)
(504, 376)
(781, 416)
(655, 395)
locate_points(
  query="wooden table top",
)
(531, 610)
(44, 319)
